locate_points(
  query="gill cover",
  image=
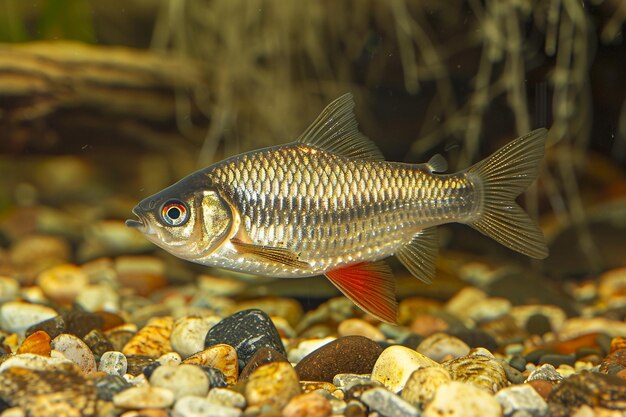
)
(215, 218)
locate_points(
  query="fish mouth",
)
(136, 224)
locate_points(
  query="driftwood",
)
(61, 96)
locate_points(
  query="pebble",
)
(587, 388)
(18, 316)
(99, 297)
(247, 331)
(288, 308)
(37, 343)
(181, 380)
(113, 363)
(612, 287)
(76, 322)
(359, 327)
(421, 386)
(395, 365)
(44, 393)
(152, 340)
(388, 404)
(428, 324)
(144, 396)
(542, 387)
(34, 253)
(220, 285)
(614, 361)
(577, 326)
(488, 309)
(261, 357)
(35, 362)
(136, 364)
(144, 274)
(9, 289)
(226, 397)
(170, 358)
(481, 371)
(441, 346)
(188, 334)
(307, 346)
(216, 377)
(349, 354)
(308, 405)
(522, 399)
(62, 283)
(97, 342)
(109, 385)
(119, 336)
(555, 315)
(545, 372)
(194, 406)
(74, 349)
(464, 300)
(274, 384)
(347, 381)
(222, 357)
(457, 399)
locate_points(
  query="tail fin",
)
(503, 176)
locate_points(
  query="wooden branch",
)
(55, 96)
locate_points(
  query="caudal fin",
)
(502, 177)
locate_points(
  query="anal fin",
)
(268, 253)
(369, 285)
(420, 255)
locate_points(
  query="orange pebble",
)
(542, 387)
(37, 343)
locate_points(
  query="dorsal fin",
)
(336, 131)
(437, 164)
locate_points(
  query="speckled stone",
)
(181, 380)
(587, 388)
(483, 372)
(97, 342)
(261, 357)
(188, 334)
(48, 393)
(521, 399)
(153, 340)
(247, 331)
(347, 381)
(170, 358)
(193, 406)
(37, 343)
(614, 362)
(18, 316)
(421, 386)
(109, 385)
(119, 336)
(457, 399)
(226, 397)
(545, 372)
(222, 357)
(75, 350)
(36, 362)
(308, 405)
(216, 377)
(274, 384)
(441, 346)
(349, 354)
(144, 396)
(113, 363)
(136, 363)
(395, 365)
(388, 404)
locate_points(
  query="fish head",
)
(188, 219)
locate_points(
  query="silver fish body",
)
(328, 203)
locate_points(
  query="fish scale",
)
(335, 192)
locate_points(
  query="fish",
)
(329, 204)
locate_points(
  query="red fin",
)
(370, 285)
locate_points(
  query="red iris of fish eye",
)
(174, 212)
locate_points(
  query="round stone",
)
(521, 399)
(308, 405)
(38, 343)
(153, 340)
(17, 316)
(421, 386)
(222, 357)
(181, 380)
(188, 334)
(193, 406)
(62, 283)
(274, 385)
(75, 350)
(261, 357)
(247, 331)
(456, 399)
(388, 404)
(113, 363)
(9, 288)
(226, 397)
(349, 354)
(484, 372)
(359, 327)
(396, 364)
(441, 346)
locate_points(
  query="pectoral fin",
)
(370, 286)
(272, 254)
(420, 255)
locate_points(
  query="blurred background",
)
(105, 103)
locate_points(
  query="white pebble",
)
(34, 361)
(522, 399)
(75, 350)
(113, 363)
(181, 380)
(188, 334)
(143, 396)
(394, 366)
(18, 316)
(192, 406)
(226, 397)
(9, 288)
(456, 399)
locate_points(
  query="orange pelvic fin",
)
(369, 285)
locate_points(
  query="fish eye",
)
(174, 213)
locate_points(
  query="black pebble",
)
(412, 341)
(556, 359)
(604, 341)
(76, 322)
(137, 363)
(535, 355)
(518, 362)
(247, 331)
(474, 337)
(538, 324)
(217, 379)
(109, 385)
(149, 369)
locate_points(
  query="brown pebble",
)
(310, 386)
(137, 363)
(37, 343)
(355, 410)
(120, 336)
(543, 387)
(621, 374)
(62, 283)
(308, 405)
(428, 324)
(261, 357)
(617, 343)
(109, 320)
(97, 342)
(615, 358)
(222, 357)
(590, 388)
(346, 355)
